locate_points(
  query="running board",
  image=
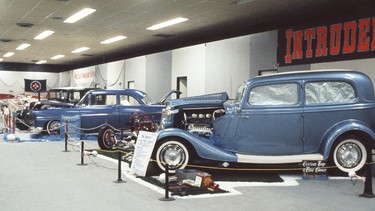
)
(277, 159)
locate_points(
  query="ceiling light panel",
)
(41, 62)
(79, 50)
(44, 34)
(23, 46)
(59, 56)
(113, 39)
(167, 23)
(79, 15)
(1, 59)
(9, 54)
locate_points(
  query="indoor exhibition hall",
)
(187, 105)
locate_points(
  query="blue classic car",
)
(112, 108)
(283, 119)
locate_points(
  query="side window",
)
(127, 100)
(103, 100)
(329, 92)
(274, 94)
(76, 96)
(110, 100)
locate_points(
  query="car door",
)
(270, 120)
(101, 110)
(327, 102)
(127, 106)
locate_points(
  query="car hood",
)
(216, 99)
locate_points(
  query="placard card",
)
(314, 169)
(142, 152)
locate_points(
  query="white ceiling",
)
(209, 20)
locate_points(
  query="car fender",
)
(341, 128)
(203, 147)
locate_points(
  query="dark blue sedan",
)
(112, 108)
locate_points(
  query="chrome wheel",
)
(350, 155)
(53, 127)
(107, 138)
(173, 153)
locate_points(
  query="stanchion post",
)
(368, 183)
(66, 136)
(82, 154)
(166, 187)
(13, 123)
(119, 180)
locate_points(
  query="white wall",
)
(227, 65)
(158, 74)
(115, 75)
(190, 62)
(13, 82)
(65, 79)
(366, 66)
(263, 52)
(136, 71)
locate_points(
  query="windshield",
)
(147, 100)
(239, 94)
(84, 101)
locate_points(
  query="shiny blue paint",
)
(298, 129)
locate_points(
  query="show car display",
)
(283, 119)
(56, 97)
(111, 108)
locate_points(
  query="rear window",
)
(327, 92)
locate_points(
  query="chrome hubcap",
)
(349, 155)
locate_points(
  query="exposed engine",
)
(199, 121)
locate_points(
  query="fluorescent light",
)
(22, 46)
(41, 62)
(1, 59)
(113, 39)
(78, 50)
(167, 23)
(43, 35)
(240, 2)
(79, 15)
(9, 54)
(58, 56)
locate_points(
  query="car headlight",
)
(167, 117)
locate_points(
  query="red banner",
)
(352, 39)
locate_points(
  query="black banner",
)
(35, 85)
(345, 40)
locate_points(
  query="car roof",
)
(359, 80)
(330, 74)
(133, 92)
(71, 88)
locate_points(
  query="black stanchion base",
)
(167, 199)
(82, 164)
(367, 195)
(119, 181)
(66, 151)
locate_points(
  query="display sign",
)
(314, 169)
(84, 77)
(342, 40)
(142, 153)
(73, 126)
